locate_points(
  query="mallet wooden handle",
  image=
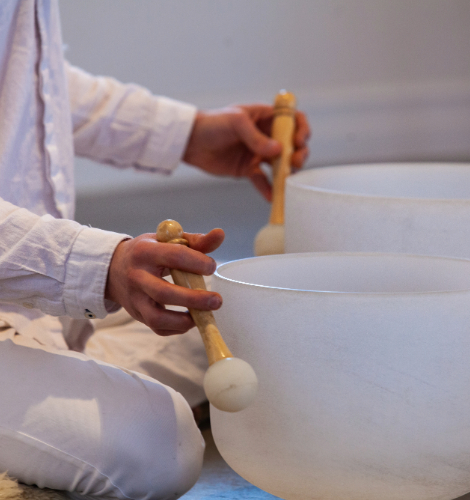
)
(170, 232)
(283, 131)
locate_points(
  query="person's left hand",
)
(235, 141)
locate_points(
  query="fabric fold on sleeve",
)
(86, 273)
(55, 265)
(126, 125)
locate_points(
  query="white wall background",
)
(379, 79)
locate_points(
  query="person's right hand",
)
(135, 279)
(235, 141)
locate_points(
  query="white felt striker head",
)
(270, 240)
(230, 384)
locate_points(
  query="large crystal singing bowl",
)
(420, 208)
(364, 375)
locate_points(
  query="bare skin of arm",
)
(235, 141)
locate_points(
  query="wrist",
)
(190, 151)
(111, 288)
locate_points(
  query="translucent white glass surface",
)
(421, 208)
(395, 180)
(363, 370)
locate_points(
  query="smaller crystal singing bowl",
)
(419, 208)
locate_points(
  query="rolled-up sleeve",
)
(55, 265)
(125, 125)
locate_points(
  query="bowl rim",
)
(338, 254)
(292, 181)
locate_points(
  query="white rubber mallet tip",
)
(270, 240)
(230, 384)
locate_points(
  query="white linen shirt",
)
(51, 266)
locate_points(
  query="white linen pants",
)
(72, 422)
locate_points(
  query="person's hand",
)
(135, 279)
(235, 141)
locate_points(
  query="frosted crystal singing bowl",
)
(420, 208)
(364, 375)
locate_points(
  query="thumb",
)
(257, 142)
(205, 243)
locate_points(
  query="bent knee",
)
(190, 451)
(165, 459)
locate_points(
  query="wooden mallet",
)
(270, 238)
(230, 383)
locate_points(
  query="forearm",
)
(55, 265)
(125, 125)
